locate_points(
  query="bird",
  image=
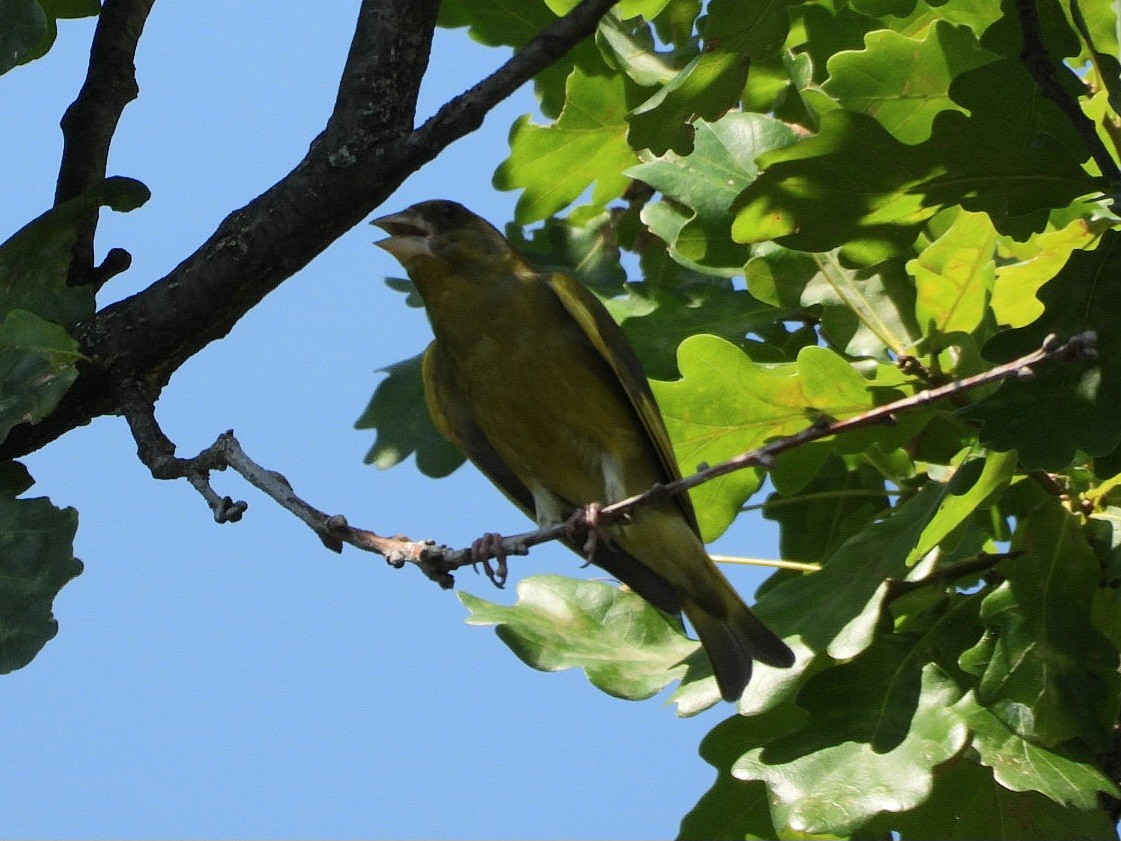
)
(533, 380)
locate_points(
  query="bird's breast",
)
(549, 404)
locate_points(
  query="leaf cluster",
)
(823, 207)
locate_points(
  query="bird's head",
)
(442, 231)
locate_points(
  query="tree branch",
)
(361, 158)
(1079, 348)
(438, 561)
(90, 121)
(1034, 55)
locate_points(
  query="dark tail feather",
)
(733, 641)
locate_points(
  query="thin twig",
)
(437, 561)
(157, 452)
(1078, 348)
(944, 575)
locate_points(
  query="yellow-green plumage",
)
(529, 375)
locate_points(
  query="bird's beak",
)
(409, 234)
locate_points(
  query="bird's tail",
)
(733, 640)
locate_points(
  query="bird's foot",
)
(587, 521)
(491, 545)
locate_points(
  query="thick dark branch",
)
(465, 113)
(365, 153)
(1042, 68)
(90, 121)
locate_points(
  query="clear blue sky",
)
(240, 680)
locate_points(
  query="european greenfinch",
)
(534, 381)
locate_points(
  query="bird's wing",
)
(453, 419)
(609, 341)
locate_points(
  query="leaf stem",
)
(776, 563)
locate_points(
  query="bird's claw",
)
(587, 520)
(491, 545)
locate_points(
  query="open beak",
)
(408, 234)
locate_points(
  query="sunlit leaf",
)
(726, 404)
(626, 647)
(904, 82)
(708, 180)
(954, 275)
(586, 146)
(1065, 774)
(806, 786)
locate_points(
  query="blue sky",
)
(239, 680)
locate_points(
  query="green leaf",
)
(725, 404)
(14, 479)
(36, 560)
(856, 187)
(1049, 675)
(400, 415)
(1066, 774)
(71, 8)
(708, 179)
(1084, 295)
(1008, 107)
(626, 647)
(904, 82)
(37, 366)
(627, 9)
(837, 788)
(818, 518)
(711, 83)
(735, 808)
(34, 260)
(865, 312)
(1014, 301)
(514, 24)
(976, 484)
(657, 320)
(967, 804)
(511, 23)
(633, 51)
(585, 249)
(587, 145)
(829, 31)
(25, 32)
(847, 596)
(954, 275)
(777, 85)
(874, 698)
